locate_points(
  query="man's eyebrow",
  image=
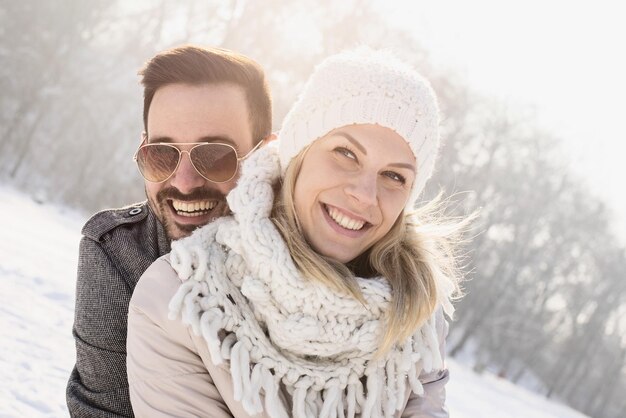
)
(216, 138)
(219, 138)
(352, 140)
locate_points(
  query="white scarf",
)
(279, 327)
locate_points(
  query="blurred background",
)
(532, 99)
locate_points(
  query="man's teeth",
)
(344, 220)
(193, 208)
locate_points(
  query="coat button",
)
(134, 211)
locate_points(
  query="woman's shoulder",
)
(156, 287)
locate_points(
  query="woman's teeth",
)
(193, 208)
(343, 220)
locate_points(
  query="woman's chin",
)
(335, 252)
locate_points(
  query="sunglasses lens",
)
(157, 162)
(216, 162)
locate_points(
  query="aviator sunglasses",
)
(214, 161)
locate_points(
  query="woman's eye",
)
(395, 177)
(345, 152)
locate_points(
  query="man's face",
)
(182, 113)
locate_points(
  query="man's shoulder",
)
(108, 220)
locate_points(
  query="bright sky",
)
(565, 58)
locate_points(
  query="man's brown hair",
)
(196, 65)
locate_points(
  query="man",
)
(192, 96)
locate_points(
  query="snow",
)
(38, 256)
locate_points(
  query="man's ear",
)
(271, 137)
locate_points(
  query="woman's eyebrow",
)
(361, 148)
(352, 140)
(404, 165)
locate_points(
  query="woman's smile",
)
(344, 223)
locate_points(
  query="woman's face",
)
(353, 184)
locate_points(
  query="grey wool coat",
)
(117, 246)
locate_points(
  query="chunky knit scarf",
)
(242, 292)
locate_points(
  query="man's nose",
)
(186, 178)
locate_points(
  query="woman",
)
(322, 295)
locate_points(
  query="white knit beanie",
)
(365, 86)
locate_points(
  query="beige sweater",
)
(171, 374)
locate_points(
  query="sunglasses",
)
(215, 162)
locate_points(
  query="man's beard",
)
(163, 209)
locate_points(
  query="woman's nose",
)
(363, 188)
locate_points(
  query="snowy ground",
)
(38, 252)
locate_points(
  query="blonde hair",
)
(418, 248)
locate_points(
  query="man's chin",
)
(175, 233)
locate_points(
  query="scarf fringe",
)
(385, 380)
